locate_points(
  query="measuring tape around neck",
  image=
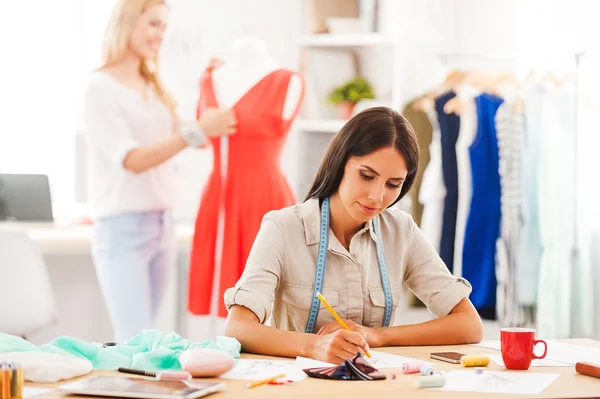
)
(320, 271)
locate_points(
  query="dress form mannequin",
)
(246, 178)
(250, 63)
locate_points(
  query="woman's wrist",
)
(381, 336)
(310, 343)
(193, 134)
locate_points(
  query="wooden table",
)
(569, 385)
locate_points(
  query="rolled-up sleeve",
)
(429, 279)
(262, 273)
(106, 128)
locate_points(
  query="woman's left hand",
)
(372, 334)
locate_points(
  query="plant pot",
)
(346, 110)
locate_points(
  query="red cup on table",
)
(517, 346)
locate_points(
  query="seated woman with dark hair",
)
(347, 243)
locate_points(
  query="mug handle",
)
(537, 341)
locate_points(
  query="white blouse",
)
(119, 119)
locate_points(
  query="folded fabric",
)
(149, 350)
(48, 367)
(355, 369)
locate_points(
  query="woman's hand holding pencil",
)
(340, 345)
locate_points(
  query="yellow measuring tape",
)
(11, 381)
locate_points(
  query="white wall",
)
(38, 65)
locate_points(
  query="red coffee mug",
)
(517, 346)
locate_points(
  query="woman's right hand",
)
(218, 122)
(338, 346)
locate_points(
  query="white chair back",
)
(27, 301)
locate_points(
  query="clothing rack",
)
(576, 56)
(523, 60)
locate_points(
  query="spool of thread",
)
(474, 361)
(411, 367)
(431, 381)
(11, 381)
(427, 370)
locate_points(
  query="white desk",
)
(73, 240)
(81, 310)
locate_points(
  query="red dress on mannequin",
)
(253, 184)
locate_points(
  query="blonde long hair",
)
(116, 41)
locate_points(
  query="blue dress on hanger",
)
(449, 128)
(483, 222)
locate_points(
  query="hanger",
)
(453, 106)
(506, 78)
(568, 77)
(550, 76)
(424, 103)
(457, 104)
(427, 101)
(529, 78)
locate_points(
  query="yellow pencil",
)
(335, 315)
(265, 381)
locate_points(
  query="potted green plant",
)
(347, 95)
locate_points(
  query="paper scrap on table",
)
(383, 360)
(534, 363)
(29, 392)
(505, 382)
(380, 360)
(489, 344)
(255, 369)
(557, 351)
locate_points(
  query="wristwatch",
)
(193, 134)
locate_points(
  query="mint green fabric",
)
(149, 350)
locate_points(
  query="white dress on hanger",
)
(586, 297)
(467, 132)
(433, 190)
(556, 210)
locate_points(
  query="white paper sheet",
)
(383, 360)
(380, 360)
(534, 363)
(250, 369)
(497, 382)
(557, 351)
(29, 392)
(308, 363)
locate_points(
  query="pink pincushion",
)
(206, 362)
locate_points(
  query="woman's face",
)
(372, 183)
(149, 31)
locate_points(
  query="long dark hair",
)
(367, 132)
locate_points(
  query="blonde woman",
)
(132, 133)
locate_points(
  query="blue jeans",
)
(132, 254)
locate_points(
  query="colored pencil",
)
(265, 381)
(336, 316)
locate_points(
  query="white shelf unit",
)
(315, 133)
(320, 125)
(345, 40)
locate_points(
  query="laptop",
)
(25, 198)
